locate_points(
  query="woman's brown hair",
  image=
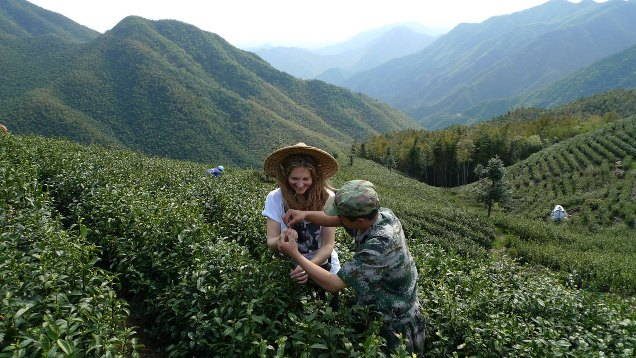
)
(315, 197)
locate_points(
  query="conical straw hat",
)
(327, 164)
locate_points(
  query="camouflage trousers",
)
(410, 329)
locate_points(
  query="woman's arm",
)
(273, 233)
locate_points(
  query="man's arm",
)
(328, 241)
(323, 254)
(292, 217)
(322, 277)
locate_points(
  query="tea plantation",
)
(110, 253)
(593, 175)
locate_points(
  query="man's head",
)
(356, 199)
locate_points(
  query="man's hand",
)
(287, 244)
(292, 217)
(299, 275)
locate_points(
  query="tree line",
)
(449, 157)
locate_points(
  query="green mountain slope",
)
(170, 89)
(500, 58)
(19, 18)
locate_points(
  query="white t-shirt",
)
(275, 209)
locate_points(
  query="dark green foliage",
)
(55, 302)
(492, 186)
(496, 309)
(389, 160)
(600, 261)
(188, 253)
(353, 151)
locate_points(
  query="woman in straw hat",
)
(301, 172)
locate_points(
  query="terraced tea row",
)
(592, 175)
(596, 245)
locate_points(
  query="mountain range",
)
(500, 59)
(167, 88)
(336, 63)
(170, 89)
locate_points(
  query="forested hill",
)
(19, 18)
(167, 88)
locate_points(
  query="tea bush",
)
(188, 254)
(596, 245)
(54, 302)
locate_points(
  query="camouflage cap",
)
(354, 199)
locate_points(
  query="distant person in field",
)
(3, 129)
(559, 214)
(216, 171)
(301, 172)
(382, 272)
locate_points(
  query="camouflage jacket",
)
(382, 271)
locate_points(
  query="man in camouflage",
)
(382, 271)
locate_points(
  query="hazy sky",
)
(286, 22)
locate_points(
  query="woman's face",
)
(300, 180)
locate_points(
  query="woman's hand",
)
(299, 275)
(287, 243)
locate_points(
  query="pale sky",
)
(248, 23)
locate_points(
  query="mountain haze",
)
(500, 58)
(336, 62)
(167, 88)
